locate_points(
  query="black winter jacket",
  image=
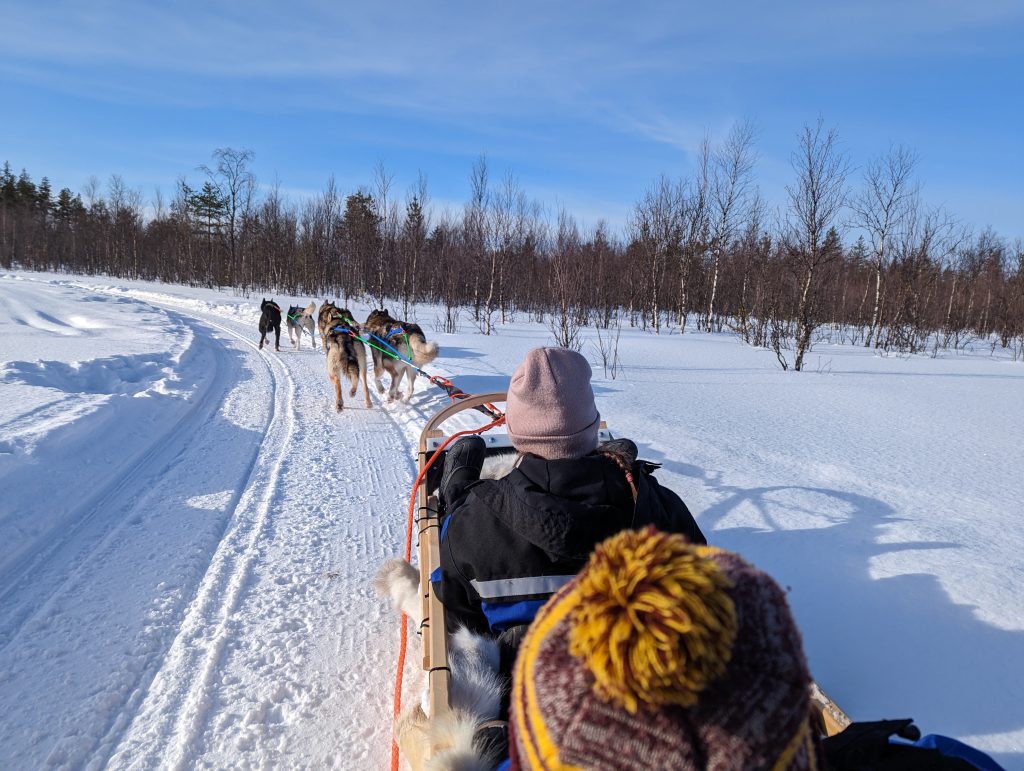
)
(509, 544)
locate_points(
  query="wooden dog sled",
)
(829, 717)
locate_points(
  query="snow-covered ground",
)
(188, 529)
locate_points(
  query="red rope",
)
(408, 558)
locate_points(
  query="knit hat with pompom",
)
(662, 654)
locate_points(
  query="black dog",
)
(271, 319)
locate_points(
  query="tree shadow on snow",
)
(882, 647)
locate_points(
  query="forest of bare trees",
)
(854, 255)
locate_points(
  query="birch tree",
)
(816, 200)
(880, 209)
(731, 187)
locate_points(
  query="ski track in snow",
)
(258, 622)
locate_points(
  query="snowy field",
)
(188, 529)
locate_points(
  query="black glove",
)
(866, 747)
(462, 465)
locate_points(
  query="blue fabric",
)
(435, 576)
(394, 350)
(506, 765)
(502, 615)
(956, 749)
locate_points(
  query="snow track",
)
(220, 577)
(175, 704)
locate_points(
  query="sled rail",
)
(831, 719)
(435, 640)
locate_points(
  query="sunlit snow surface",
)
(188, 528)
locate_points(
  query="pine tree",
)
(25, 190)
(361, 239)
(8, 189)
(208, 208)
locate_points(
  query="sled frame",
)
(828, 716)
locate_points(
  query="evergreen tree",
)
(25, 190)
(361, 239)
(208, 208)
(8, 189)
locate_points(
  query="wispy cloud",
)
(595, 93)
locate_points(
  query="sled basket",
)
(829, 718)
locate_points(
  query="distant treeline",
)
(701, 250)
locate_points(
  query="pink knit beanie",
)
(550, 408)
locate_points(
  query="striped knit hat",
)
(661, 654)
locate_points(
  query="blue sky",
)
(585, 103)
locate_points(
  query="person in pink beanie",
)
(508, 544)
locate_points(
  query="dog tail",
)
(310, 310)
(423, 352)
(399, 582)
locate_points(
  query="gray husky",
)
(301, 319)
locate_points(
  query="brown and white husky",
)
(408, 341)
(346, 357)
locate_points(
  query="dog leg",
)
(412, 384)
(396, 382)
(338, 405)
(378, 370)
(277, 338)
(366, 384)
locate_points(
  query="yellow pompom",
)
(654, 624)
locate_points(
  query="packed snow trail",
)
(232, 626)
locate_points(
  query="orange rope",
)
(408, 558)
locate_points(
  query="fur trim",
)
(448, 742)
(499, 464)
(475, 686)
(399, 582)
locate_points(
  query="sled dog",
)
(301, 319)
(408, 340)
(346, 357)
(270, 319)
(329, 316)
(475, 687)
